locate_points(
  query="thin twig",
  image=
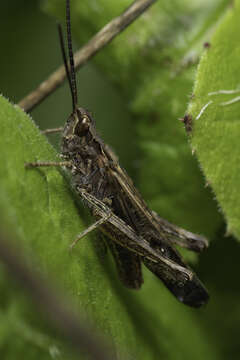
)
(101, 39)
(55, 308)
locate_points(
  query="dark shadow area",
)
(220, 267)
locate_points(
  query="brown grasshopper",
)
(133, 232)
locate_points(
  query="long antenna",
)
(72, 74)
(60, 32)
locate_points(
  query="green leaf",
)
(216, 132)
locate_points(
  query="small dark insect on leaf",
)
(133, 232)
(207, 45)
(187, 121)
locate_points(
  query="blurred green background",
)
(136, 104)
(31, 51)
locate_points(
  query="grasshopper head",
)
(78, 124)
(78, 131)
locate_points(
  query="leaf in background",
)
(216, 133)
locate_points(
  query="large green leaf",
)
(216, 131)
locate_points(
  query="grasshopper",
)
(133, 232)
